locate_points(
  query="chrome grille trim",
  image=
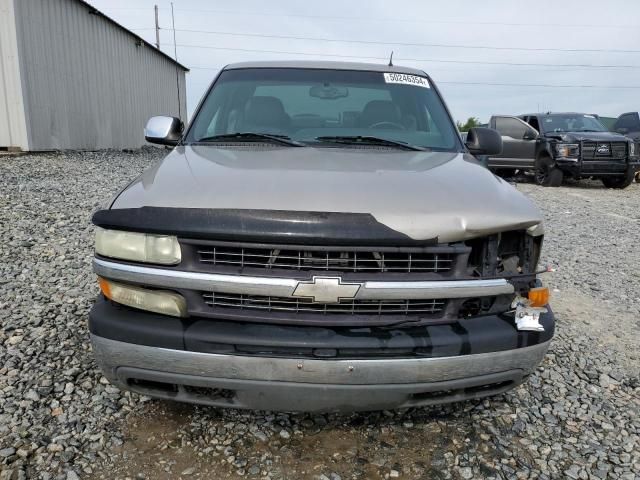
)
(284, 287)
(303, 305)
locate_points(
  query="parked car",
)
(319, 239)
(558, 145)
(629, 124)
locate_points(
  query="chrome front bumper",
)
(256, 382)
(286, 287)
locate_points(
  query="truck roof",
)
(556, 113)
(326, 65)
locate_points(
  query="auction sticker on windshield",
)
(405, 79)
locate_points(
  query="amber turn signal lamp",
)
(104, 287)
(538, 297)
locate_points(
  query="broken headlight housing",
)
(512, 255)
(508, 253)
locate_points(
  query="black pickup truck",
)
(628, 124)
(559, 145)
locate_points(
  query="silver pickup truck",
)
(319, 238)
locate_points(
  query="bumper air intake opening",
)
(209, 392)
(469, 393)
(151, 386)
(181, 391)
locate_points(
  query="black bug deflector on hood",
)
(324, 228)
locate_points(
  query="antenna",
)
(391, 59)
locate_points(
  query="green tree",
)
(470, 123)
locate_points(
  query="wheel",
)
(619, 182)
(547, 174)
(637, 177)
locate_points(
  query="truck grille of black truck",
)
(303, 305)
(604, 150)
(327, 260)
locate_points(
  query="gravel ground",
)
(578, 417)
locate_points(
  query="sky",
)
(578, 55)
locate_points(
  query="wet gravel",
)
(578, 417)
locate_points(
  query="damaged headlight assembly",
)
(567, 150)
(138, 247)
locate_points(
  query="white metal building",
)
(72, 78)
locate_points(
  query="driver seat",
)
(377, 111)
(266, 115)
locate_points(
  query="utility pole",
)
(155, 8)
(175, 53)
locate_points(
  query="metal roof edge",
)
(95, 11)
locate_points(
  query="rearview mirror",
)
(163, 130)
(328, 92)
(530, 134)
(622, 130)
(484, 141)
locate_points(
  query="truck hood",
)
(588, 136)
(424, 195)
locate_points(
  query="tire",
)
(547, 174)
(622, 181)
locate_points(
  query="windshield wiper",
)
(369, 140)
(252, 136)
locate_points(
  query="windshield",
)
(577, 122)
(311, 105)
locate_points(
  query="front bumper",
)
(596, 168)
(229, 364)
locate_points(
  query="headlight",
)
(138, 247)
(632, 149)
(159, 301)
(567, 150)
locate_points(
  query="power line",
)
(407, 20)
(431, 60)
(408, 44)
(451, 82)
(542, 85)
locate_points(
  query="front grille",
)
(310, 259)
(610, 150)
(303, 305)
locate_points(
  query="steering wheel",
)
(393, 125)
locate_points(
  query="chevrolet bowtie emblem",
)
(326, 289)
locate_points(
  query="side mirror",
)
(622, 130)
(530, 134)
(484, 141)
(163, 130)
